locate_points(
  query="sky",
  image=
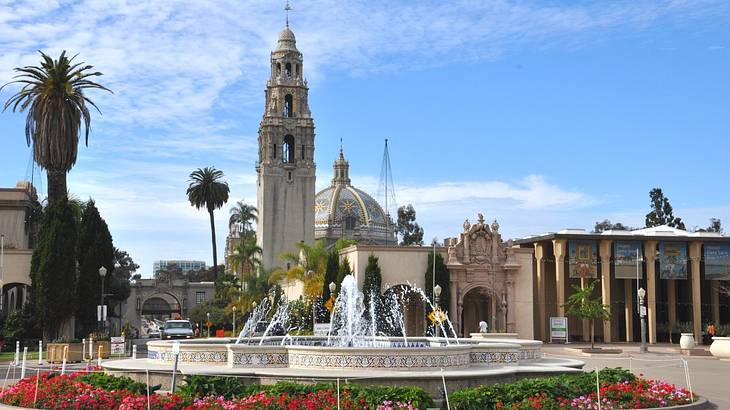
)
(545, 115)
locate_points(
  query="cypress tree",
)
(371, 287)
(442, 279)
(95, 249)
(53, 268)
(343, 271)
(330, 275)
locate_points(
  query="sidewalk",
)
(708, 376)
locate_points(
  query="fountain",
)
(353, 349)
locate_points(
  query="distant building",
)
(184, 265)
(17, 239)
(156, 300)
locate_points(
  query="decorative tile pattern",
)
(385, 361)
(493, 357)
(260, 359)
(190, 357)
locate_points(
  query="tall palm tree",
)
(54, 96)
(244, 215)
(246, 255)
(207, 189)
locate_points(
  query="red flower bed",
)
(639, 394)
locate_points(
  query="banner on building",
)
(717, 261)
(625, 259)
(673, 260)
(583, 259)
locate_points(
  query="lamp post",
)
(102, 273)
(436, 297)
(642, 313)
(234, 321)
(208, 323)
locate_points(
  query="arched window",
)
(288, 106)
(350, 222)
(288, 149)
(288, 70)
(278, 69)
(274, 151)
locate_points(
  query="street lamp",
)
(436, 297)
(642, 313)
(102, 273)
(208, 323)
(234, 321)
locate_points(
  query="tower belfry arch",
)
(285, 169)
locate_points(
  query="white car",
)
(177, 329)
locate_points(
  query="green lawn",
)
(9, 356)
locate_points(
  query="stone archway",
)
(476, 307)
(161, 306)
(412, 306)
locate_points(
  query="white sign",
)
(559, 328)
(117, 339)
(321, 329)
(117, 348)
(176, 348)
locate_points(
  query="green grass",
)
(10, 356)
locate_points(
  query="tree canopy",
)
(581, 305)
(606, 225)
(661, 211)
(407, 227)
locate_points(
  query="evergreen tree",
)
(661, 211)
(330, 275)
(95, 249)
(342, 271)
(407, 227)
(442, 279)
(371, 287)
(53, 268)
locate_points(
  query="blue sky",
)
(542, 114)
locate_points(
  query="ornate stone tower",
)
(286, 169)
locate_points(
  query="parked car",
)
(177, 329)
(153, 333)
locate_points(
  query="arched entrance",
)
(160, 306)
(412, 308)
(475, 308)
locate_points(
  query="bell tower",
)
(285, 169)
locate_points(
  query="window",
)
(199, 297)
(302, 151)
(288, 150)
(278, 69)
(274, 151)
(288, 70)
(289, 176)
(288, 106)
(350, 223)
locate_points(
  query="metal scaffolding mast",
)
(386, 192)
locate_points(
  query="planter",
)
(106, 349)
(687, 341)
(55, 352)
(720, 347)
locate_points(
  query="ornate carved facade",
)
(482, 272)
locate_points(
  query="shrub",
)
(568, 385)
(108, 382)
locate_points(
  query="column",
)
(559, 251)
(694, 256)
(542, 320)
(629, 310)
(650, 259)
(493, 307)
(604, 249)
(672, 303)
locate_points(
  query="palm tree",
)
(246, 255)
(207, 190)
(54, 96)
(244, 215)
(310, 263)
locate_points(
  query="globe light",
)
(102, 271)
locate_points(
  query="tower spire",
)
(286, 9)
